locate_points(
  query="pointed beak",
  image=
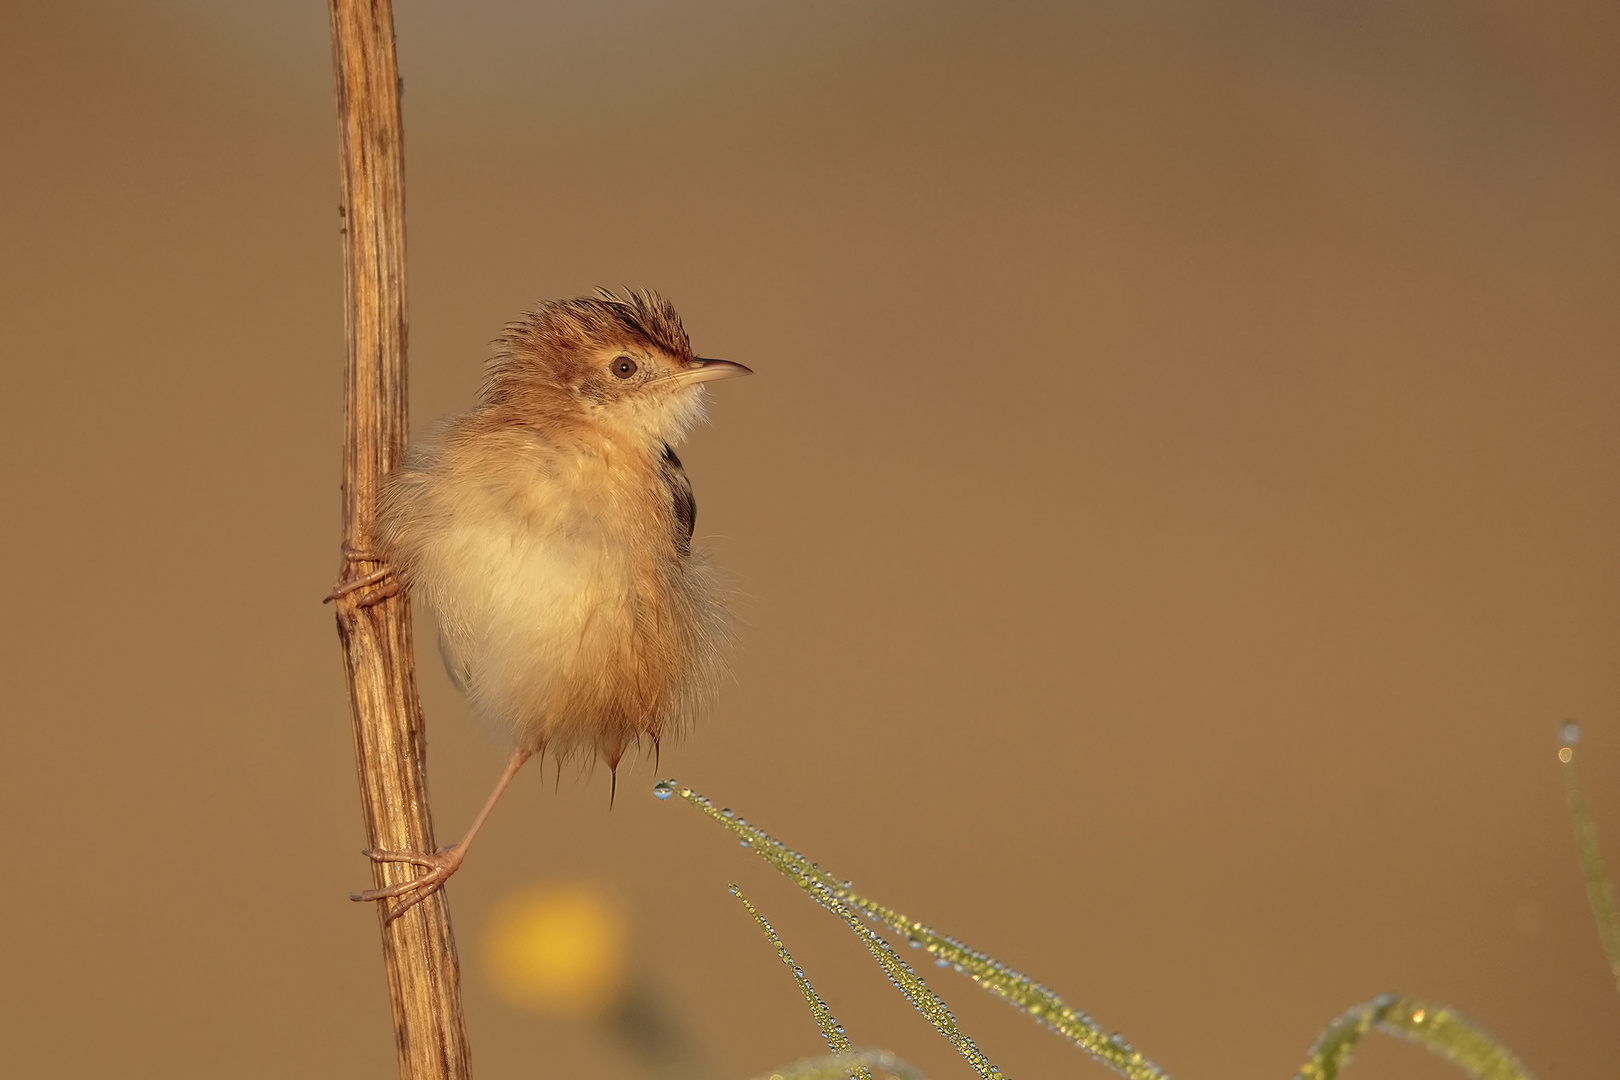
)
(708, 371)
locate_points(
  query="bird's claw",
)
(388, 584)
(440, 865)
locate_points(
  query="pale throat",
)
(654, 417)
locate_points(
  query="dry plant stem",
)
(419, 951)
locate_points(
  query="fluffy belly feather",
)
(560, 629)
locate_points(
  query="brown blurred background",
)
(1178, 496)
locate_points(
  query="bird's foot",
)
(388, 584)
(438, 867)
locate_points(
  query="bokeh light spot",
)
(557, 948)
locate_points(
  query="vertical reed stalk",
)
(419, 950)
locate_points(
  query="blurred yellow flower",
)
(557, 948)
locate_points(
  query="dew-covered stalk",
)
(1437, 1028)
(1012, 986)
(831, 1030)
(1598, 890)
(909, 983)
(840, 1065)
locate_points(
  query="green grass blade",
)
(909, 983)
(1012, 986)
(1438, 1028)
(831, 1030)
(1598, 890)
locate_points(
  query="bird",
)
(549, 530)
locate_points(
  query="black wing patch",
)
(685, 505)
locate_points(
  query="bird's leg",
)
(352, 557)
(439, 864)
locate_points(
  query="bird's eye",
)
(623, 367)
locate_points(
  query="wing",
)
(680, 493)
(454, 666)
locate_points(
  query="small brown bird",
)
(550, 529)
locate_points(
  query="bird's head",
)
(620, 363)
